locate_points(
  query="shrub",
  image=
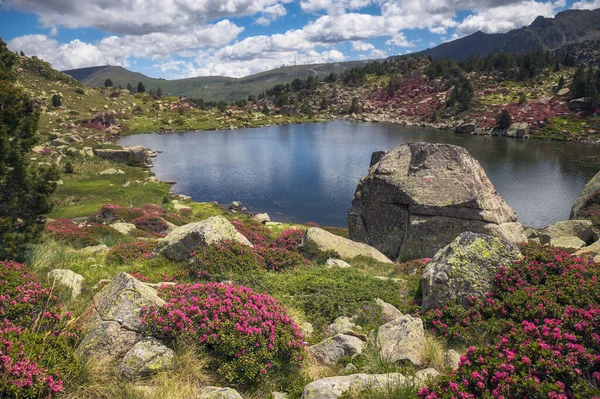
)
(289, 239)
(311, 224)
(338, 231)
(151, 224)
(591, 209)
(130, 252)
(56, 100)
(256, 233)
(225, 257)
(248, 335)
(175, 219)
(68, 167)
(504, 119)
(67, 231)
(280, 259)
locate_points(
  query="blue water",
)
(309, 172)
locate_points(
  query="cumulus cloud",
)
(334, 6)
(586, 5)
(399, 40)
(362, 46)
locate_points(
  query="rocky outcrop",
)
(183, 241)
(581, 229)
(332, 263)
(131, 155)
(591, 252)
(465, 268)
(451, 359)
(388, 311)
(517, 130)
(329, 351)
(466, 128)
(570, 243)
(335, 387)
(68, 280)
(112, 323)
(402, 339)
(592, 187)
(421, 196)
(317, 240)
(147, 357)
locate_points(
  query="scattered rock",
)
(147, 357)
(579, 104)
(518, 130)
(582, 229)
(564, 91)
(58, 142)
(136, 154)
(421, 196)
(402, 339)
(261, 218)
(571, 243)
(316, 240)
(88, 152)
(67, 279)
(589, 252)
(389, 311)
(219, 393)
(307, 329)
(181, 207)
(329, 351)
(332, 262)
(181, 242)
(465, 268)
(590, 188)
(112, 171)
(466, 128)
(279, 395)
(451, 359)
(96, 249)
(340, 325)
(123, 228)
(349, 369)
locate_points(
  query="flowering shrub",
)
(280, 259)
(151, 224)
(224, 257)
(111, 213)
(248, 335)
(130, 252)
(544, 323)
(591, 209)
(257, 234)
(416, 266)
(312, 224)
(69, 232)
(173, 218)
(289, 239)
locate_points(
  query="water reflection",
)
(309, 172)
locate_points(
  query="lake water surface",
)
(309, 172)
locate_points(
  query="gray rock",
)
(93, 250)
(279, 395)
(518, 130)
(112, 171)
(147, 357)
(329, 351)
(465, 268)
(340, 325)
(317, 240)
(261, 217)
(582, 229)
(421, 196)
(137, 154)
(67, 279)
(389, 311)
(402, 339)
(451, 359)
(123, 228)
(568, 242)
(307, 329)
(466, 128)
(181, 242)
(590, 252)
(349, 369)
(579, 104)
(590, 188)
(112, 323)
(332, 262)
(219, 393)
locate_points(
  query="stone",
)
(236, 204)
(112, 324)
(466, 128)
(465, 268)
(279, 395)
(589, 252)
(94, 250)
(307, 329)
(582, 229)
(88, 152)
(69, 280)
(593, 186)
(316, 240)
(563, 92)
(349, 369)
(76, 139)
(421, 196)
(112, 171)
(123, 228)
(59, 142)
(571, 243)
(332, 349)
(451, 359)
(136, 154)
(389, 311)
(518, 130)
(402, 339)
(181, 207)
(261, 218)
(37, 149)
(340, 325)
(219, 393)
(579, 104)
(147, 357)
(181, 242)
(332, 262)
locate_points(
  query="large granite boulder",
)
(421, 196)
(131, 155)
(112, 323)
(148, 356)
(317, 240)
(402, 339)
(465, 268)
(68, 280)
(582, 229)
(591, 188)
(591, 252)
(335, 387)
(329, 351)
(180, 243)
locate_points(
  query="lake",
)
(309, 172)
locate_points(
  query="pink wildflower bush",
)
(130, 252)
(543, 320)
(69, 232)
(257, 234)
(151, 224)
(591, 209)
(111, 213)
(289, 239)
(248, 335)
(34, 350)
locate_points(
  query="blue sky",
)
(185, 38)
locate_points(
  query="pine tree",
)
(129, 87)
(108, 83)
(25, 189)
(265, 110)
(22, 53)
(578, 87)
(354, 107)
(159, 93)
(141, 88)
(561, 82)
(56, 100)
(504, 119)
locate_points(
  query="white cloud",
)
(334, 7)
(439, 30)
(586, 5)
(399, 40)
(361, 46)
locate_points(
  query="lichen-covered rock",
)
(589, 252)
(317, 240)
(340, 325)
(329, 351)
(261, 218)
(219, 393)
(402, 339)
(94, 250)
(180, 243)
(465, 268)
(332, 262)
(571, 243)
(123, 228)
(590, 188)
(451, 359)
(136, 154)
(421, 196)
(335, 387)
(112, 323)
(389, 311)
(582, 229)
(67, 279)
(147, 357)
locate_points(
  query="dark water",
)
(309, 172)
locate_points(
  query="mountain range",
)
(574, 31)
